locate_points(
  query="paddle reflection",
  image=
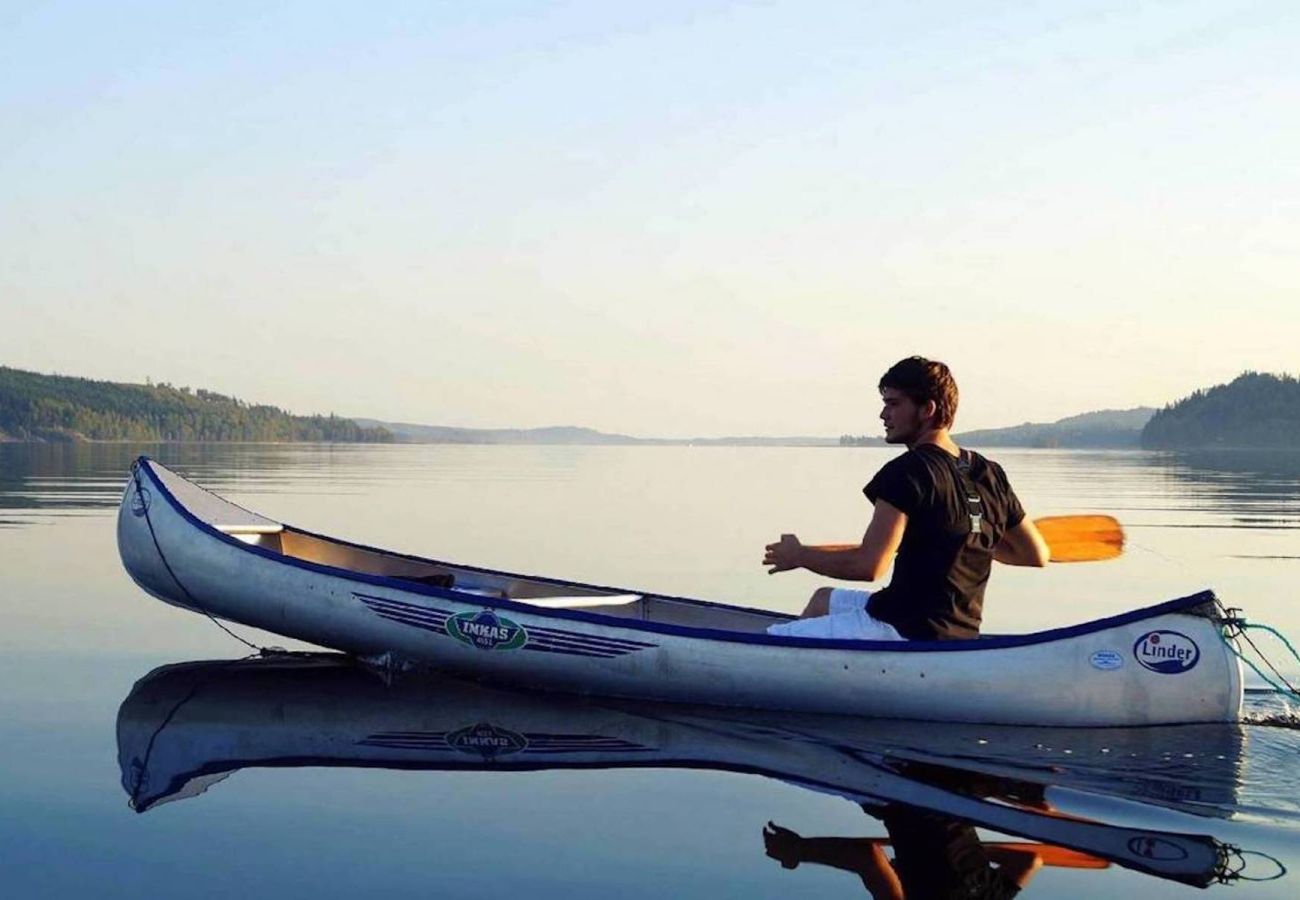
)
(187, 726)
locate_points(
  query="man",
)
(946, 512)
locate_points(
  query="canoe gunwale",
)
(1201, 604)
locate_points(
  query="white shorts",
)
(848, 621)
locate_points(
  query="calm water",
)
(142, 760)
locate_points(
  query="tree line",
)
(1255, 410)
(57, 407)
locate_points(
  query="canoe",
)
(1164, 664)
(186, 727)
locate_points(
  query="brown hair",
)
(924, 379)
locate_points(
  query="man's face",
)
(901, 415)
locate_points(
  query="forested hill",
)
(59, 408)
(1256, 410)
(1108, 428)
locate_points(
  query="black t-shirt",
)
(941, 858)
(942, 567)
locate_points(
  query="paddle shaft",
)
(1086, 538)
(1050, 854)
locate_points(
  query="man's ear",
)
(928, 410)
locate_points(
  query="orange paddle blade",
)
(1082, 538)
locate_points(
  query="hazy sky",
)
(655, 218)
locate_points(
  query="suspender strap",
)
(974, 506)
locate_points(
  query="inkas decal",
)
(487, 741)
(487, 631)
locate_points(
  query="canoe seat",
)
(578, 602)
(257, 534)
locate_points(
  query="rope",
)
(194, 603)
(1281, 637)
(1229, 872)
(1236, 626)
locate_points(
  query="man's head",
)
(919, 395)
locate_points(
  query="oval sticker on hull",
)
(1107, 660)
(1166, 652)
(1156, 848)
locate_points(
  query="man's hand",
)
(784, 555)
(782, 845)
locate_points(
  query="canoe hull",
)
(1081, 677)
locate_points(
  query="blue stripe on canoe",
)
(414, 623)
(1179, 604)
(541, 751)
(428, 613)
(539, 638)
(581, 640)
(536, 743)
(595, 654)
(435, 620)
(612, 642)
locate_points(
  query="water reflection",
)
(186, 727)
(1255, 488)
(1282, 465)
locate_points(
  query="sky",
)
(669, 219)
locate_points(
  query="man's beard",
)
(904, 433)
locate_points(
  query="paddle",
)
(1088, 538)
(1082, 538)
(1050, 854)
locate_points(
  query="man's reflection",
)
(935, 857)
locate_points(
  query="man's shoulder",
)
(898, 480)
(910, 460)
(988, 471)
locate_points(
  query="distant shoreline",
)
(1261, 410)
(826, 444)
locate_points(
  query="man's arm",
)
(868, 561)
(1023, 546)
(863, 856)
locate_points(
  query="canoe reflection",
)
(186, 726)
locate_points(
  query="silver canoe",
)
(1164, 664)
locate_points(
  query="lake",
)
(146, 756)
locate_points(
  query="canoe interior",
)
(491, 585)
(275, 537)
